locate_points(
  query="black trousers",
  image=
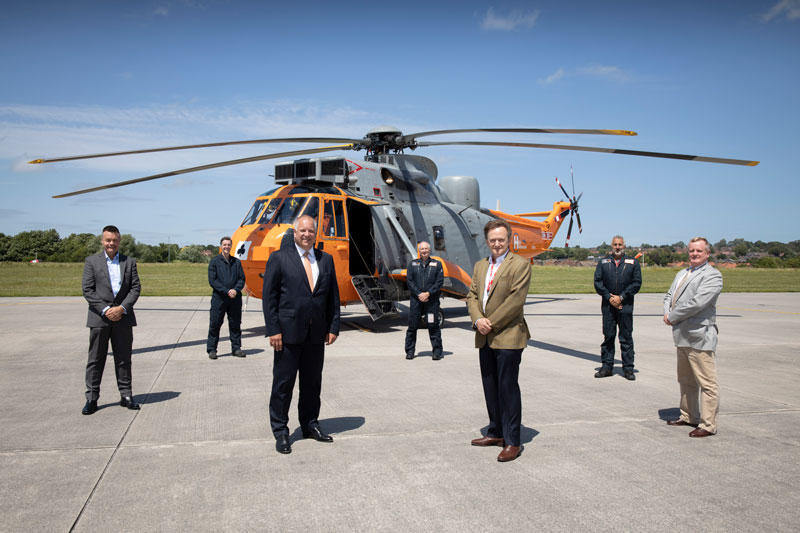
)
(121, 337)
(500, 376)
(613, 319)
(305, 360)
(416, 310)
(219, 308)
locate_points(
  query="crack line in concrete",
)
(133, 419)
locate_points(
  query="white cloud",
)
(608, 72)
(555, 76)
(30, 132)
(788, 8)
(512, 21)
(162, 11)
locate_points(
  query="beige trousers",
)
(697, 376)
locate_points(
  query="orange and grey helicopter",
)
(372, 213)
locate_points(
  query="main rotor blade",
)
(208, 145)
(578, 215)
(210, 166)
(602, 150)
(521, 130)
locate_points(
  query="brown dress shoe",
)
(700, 432)
(679, 422)
(509, 453)
(487, 441)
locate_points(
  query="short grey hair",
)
(297, 222)
(620, 237)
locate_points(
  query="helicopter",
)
(372, 213)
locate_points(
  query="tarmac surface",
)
(199, 455)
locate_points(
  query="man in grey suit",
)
(690, 308)
(111, 286)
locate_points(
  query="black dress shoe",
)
(629, 376)
(212, 354)
(282, 444)
(90, 407)
(315, 433)
(603, 373)
(238, 353)
(409, 356)
(127, 401)
(437, 356)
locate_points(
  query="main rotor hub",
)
(385, 138)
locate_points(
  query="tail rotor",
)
(573, 207)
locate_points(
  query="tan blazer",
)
(504, 308)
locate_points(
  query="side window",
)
(438, 238)
(339, 215)
(332, 223)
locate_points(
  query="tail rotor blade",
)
(562, 188)
(569, 231)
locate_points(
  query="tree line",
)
(46, 245)
(759, 254)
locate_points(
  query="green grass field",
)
(187, 279)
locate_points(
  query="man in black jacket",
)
(616, 279)
(424, 278)
(226, 277)
(300, 300)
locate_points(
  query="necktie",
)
(309, 274)
(678, 290)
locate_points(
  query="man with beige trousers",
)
(690, 308)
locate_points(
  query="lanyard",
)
(491, 274)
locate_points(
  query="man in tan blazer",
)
(690, 307)
(495, 302)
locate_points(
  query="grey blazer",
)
(694, 317)
(97, 289)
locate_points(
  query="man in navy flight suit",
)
(226, 277)
(425, 278)
(616, 279)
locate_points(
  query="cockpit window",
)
(269, 211)
(252, 215)
(312, 208)
(289, 210)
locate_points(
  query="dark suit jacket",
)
(289, 306)
(97, 289)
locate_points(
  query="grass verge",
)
(191, 279)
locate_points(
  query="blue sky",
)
(697, 77)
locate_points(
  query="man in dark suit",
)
(617, 279)
(111, 286)
(495, 302)
(301, 311)
(226, 277)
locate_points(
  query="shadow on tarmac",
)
(334, 426)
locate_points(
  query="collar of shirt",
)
(311, 257)
(114, 261)
(698, 267)
(499, 259)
